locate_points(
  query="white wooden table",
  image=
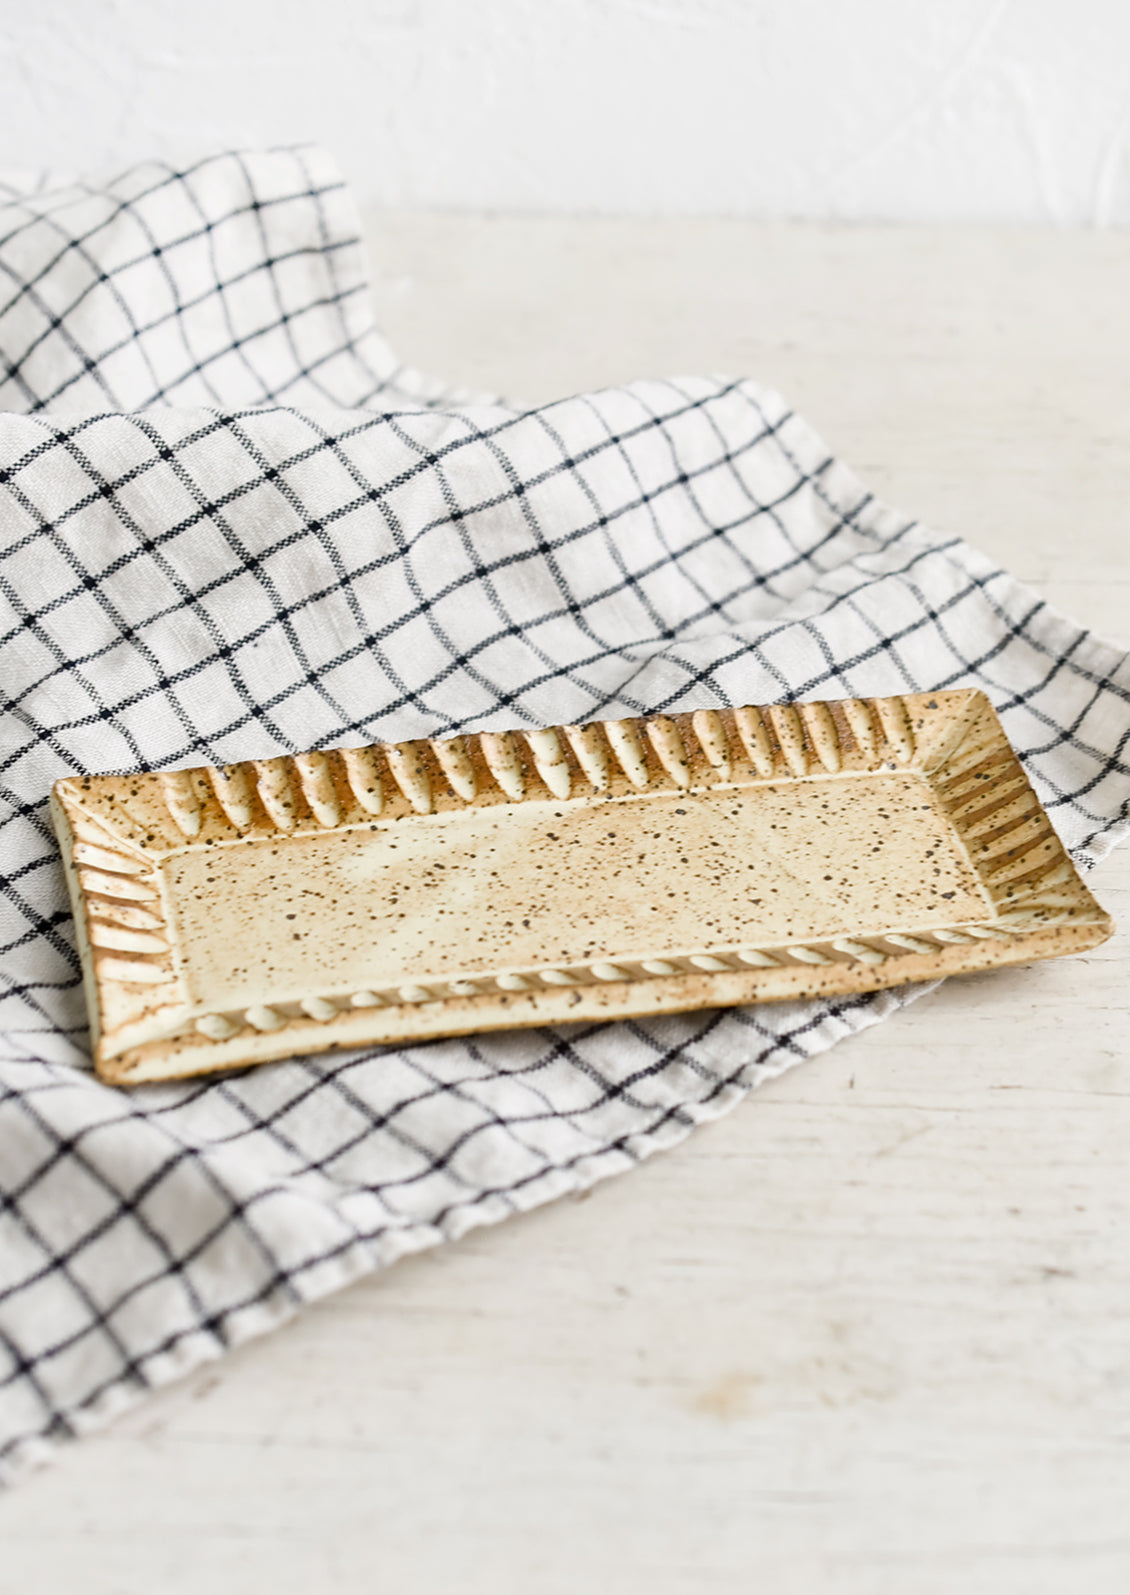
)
(870, 1333)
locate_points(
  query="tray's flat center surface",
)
(542, 883)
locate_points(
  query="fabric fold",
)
(239, 278)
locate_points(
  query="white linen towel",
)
(291, 542)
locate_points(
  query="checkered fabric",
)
(181, 586)
(238, 280)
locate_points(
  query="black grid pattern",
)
(240, 279)
(198, 585)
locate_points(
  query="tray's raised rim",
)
(116, 831)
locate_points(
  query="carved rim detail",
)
(222, 1025)
(777, 741)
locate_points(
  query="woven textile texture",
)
(241, 279)
(199, 585)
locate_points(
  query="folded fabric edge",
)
(195, 1348)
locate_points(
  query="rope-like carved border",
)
(875, 950)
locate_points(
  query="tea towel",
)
(293, 544)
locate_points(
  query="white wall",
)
(1013, 110)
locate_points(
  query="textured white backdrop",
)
(1011, 110)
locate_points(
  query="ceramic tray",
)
(633, 867)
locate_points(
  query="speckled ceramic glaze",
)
(625, 868)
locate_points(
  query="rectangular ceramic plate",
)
(634, 867)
